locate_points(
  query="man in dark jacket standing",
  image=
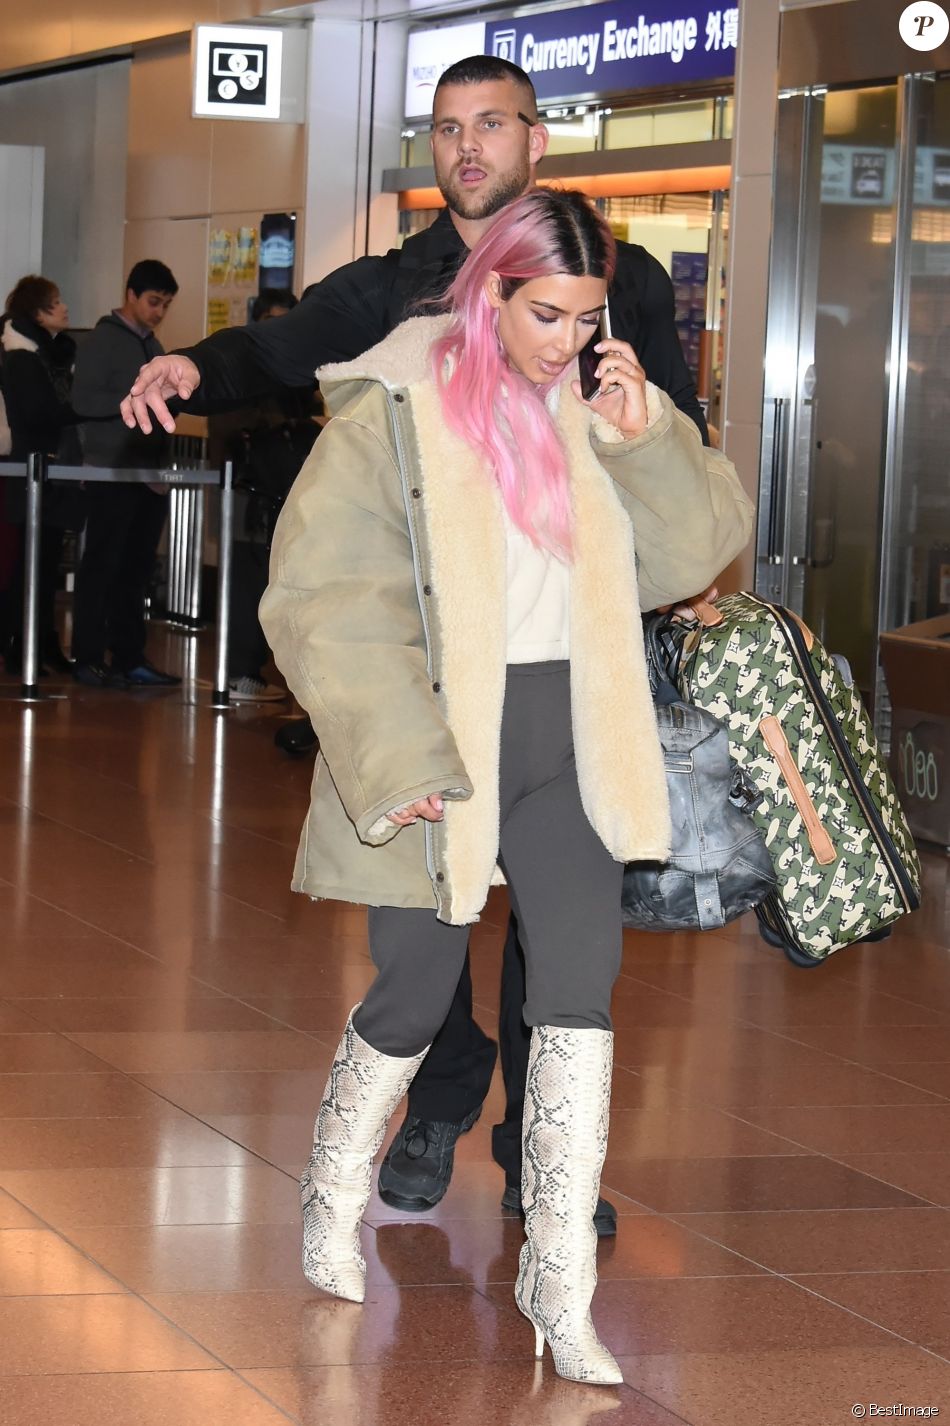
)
(125, 521)
(486, 145)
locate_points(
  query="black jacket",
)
(358, 305)
(107, 363)
(37, 375)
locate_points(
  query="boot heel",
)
(539, 1337)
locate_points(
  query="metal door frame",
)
(888, 612)
(788, 401)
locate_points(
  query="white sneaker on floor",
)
(254, 690)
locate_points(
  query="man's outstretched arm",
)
(341, 317)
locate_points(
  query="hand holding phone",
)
(621, 392)
(589, 359)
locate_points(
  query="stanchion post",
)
(220, 697)
(35, 476)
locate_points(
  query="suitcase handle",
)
(821, 844)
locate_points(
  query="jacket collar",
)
(15, 340)
(443, 239)
(116, 317)
(398, 363)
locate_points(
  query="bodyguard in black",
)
(486, 145)
(358, 305)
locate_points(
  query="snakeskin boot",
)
(565, 1138)
(363, 1090)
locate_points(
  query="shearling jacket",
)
(386, 614)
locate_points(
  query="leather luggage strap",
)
(707, 614)
(777, 744)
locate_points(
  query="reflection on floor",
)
(779, 1154)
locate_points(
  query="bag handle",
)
(707, 614)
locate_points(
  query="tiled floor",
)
(779, 1154)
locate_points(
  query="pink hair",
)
(499, 412)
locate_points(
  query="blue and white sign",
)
(612, 48)
(602, 49)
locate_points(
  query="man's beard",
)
(488, 202)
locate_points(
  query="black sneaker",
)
(417, 1170)
(54, 660)
(146, 675)
(605, 1214)
(296, 737)
(98, 675)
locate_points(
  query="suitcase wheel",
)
(797, 957)
(801, 958)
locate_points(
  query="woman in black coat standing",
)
(37, 372)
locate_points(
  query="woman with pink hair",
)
(456, 588)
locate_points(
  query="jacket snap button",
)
(427, 589)
(399, 396)
(439, 876)
(416, 494)
(437, 688)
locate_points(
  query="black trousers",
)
(51, 554)
(247, 647)
(123, 527)
(455, 1075)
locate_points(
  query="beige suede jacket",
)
(386, 614)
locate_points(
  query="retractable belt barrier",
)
(38, 470)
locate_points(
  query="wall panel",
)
(58, 30)
(79, 118)
(257, 166)
(21, 221)
(169, 165)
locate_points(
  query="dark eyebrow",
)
(550, 307)
(482, 114)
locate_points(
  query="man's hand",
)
(157, 381)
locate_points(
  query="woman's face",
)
(55, 317)
(546, 322)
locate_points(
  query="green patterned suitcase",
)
(845, 859)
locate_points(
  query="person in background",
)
(267, 441)
(37, 375)
(487, 142)
(125, 520)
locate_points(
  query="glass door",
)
(688, 234)
(916, 582)
(827, 376)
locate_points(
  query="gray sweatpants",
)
(563, 883)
